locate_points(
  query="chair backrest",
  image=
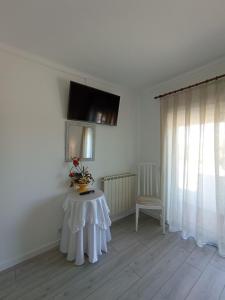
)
(148, 179)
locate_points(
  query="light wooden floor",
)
(143, 265)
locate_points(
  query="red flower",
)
(76, 162)
(72, 174)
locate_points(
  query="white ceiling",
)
(131, 42)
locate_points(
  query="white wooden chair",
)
(148, 193)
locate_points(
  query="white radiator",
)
(120, 194)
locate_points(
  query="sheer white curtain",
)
(193, 162)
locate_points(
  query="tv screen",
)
(92, 105)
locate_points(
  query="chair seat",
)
(149, 201)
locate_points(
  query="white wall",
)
(33, 175)
(149, 115)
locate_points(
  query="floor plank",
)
(180, 284)
(157, 275)
(115, 287)
(32, 276)
(97, 278)
(209, 286)
(143, 263)
(139, 265)
(23, 270)
(218, 261)
(61, 279)
(222, 296)
(201, 256)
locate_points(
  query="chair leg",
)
(137, 216)
(163, 221)
(161, 217)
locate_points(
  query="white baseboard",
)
(123, 215)
(14, 261)
(151, 214)
(131, 211)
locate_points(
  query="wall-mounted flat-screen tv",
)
(92, 105)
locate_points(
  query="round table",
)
(86, 226)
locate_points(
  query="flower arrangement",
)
(79, 174)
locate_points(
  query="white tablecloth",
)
(86, 226)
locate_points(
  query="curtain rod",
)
(189, 86)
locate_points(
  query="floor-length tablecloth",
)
(86, 226)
